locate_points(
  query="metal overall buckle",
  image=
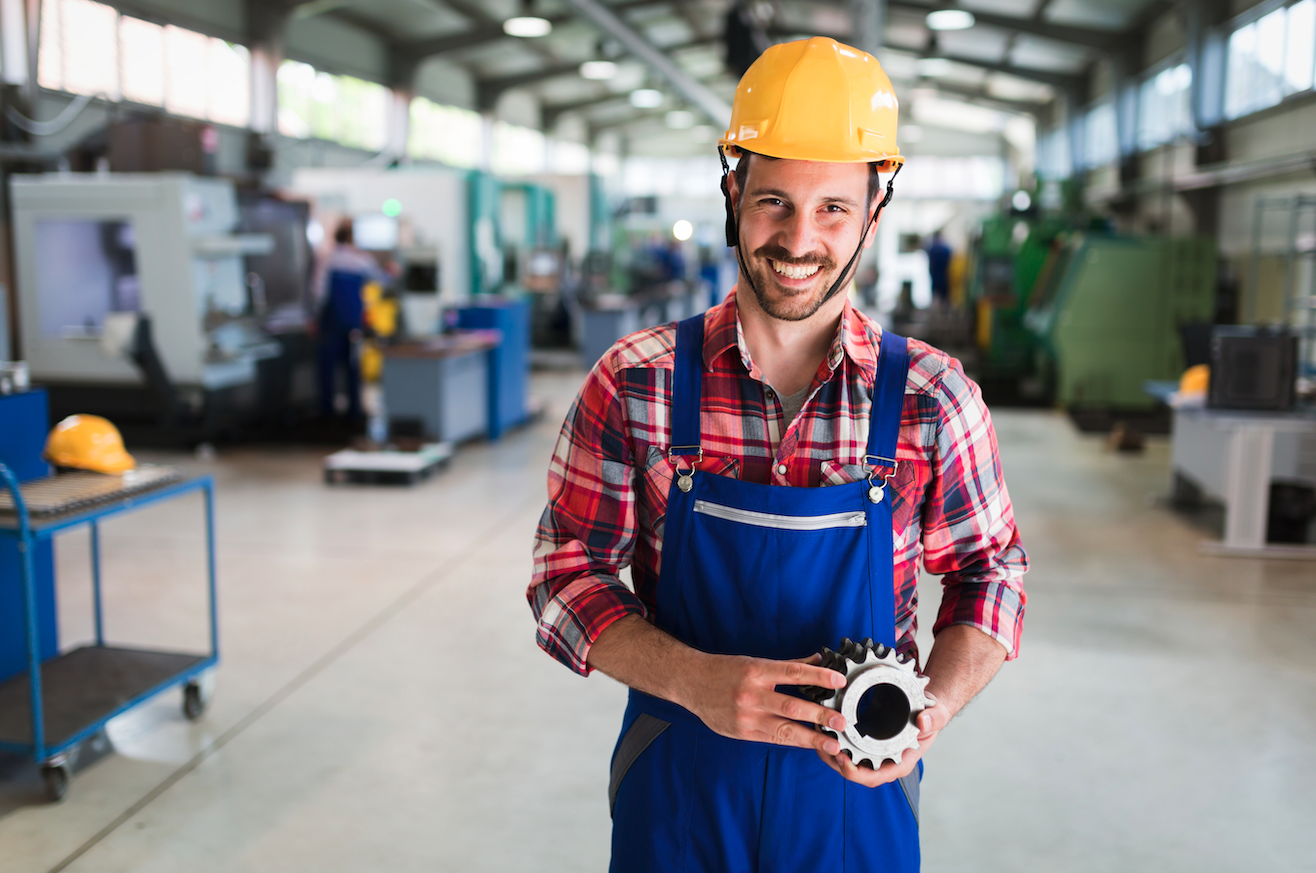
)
(875, 491)
(685, 480)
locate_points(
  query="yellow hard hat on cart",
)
(88, 442)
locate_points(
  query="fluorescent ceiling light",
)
(950, 19)
(933, 67)
(527, 26)
(646, 98)
(680, 119)
(683, 230)
(598, 70)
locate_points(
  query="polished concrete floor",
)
(381, 704)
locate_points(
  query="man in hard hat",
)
(697, 454)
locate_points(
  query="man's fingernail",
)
(831, 747)
(837, 723)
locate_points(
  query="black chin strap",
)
(733, 229)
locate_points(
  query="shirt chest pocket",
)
(906, 485)
(657, 481)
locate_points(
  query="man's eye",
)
(771, 201)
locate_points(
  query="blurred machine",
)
(1107, 312)
(1008, 258)
(137, 303)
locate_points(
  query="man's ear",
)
(871, 236)
(733, 189)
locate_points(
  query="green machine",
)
(1010, 255)
(1106, 313)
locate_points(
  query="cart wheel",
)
(56, 777)
(193, 704)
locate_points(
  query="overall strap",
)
(888, 399)
(687, 386)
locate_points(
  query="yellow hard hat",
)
(815, 100)
(1195, 380)
(88, 442)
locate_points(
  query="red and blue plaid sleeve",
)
(969, 534)
(587, 532)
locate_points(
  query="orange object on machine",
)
(88, 442)
(1195, 380)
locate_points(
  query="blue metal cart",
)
(56, 706)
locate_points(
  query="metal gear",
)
(888, 725)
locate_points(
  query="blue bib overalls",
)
(771, 572)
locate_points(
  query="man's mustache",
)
(780, 255)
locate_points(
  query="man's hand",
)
(930, 723)
(737, 697)
(734, 696)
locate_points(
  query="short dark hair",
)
(343, 234)
(742, 172)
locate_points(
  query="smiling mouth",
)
(794, 271)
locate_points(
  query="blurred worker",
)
(939, 269)
(340, 316)
(695, 453)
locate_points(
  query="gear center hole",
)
(883, 712)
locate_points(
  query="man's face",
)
(800, 222)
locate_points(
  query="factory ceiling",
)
(1018, 56)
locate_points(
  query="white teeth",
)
(794, 272)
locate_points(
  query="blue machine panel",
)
(24, 423)
(509, 364)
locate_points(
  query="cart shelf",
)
(49, 711)
(88, 686)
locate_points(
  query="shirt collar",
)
(857, 337)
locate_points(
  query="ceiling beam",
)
(1055, 80)
(488, 90)
(984, 97)
(693, 91)
(1100, 40)
(492, 31)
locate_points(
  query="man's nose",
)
(798, 235)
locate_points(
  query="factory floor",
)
(381, 704)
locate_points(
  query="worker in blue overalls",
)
(340, 317)
(696, 454)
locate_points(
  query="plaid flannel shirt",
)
(609, 478)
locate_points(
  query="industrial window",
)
(1054, 158)
(344, 109)
(444, 133)
(1271, 58)
(1101, 135)
(1164, 108)
(89, 48)
(517, 150)
(952, 178)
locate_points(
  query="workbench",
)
(1233, 456)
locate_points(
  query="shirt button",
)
(781, 468)
(770, 394)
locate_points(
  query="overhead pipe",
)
(698, 95)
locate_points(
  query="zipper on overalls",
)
(782, 522)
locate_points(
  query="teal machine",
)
(509, 223)
(1106, 313)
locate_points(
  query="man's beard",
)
(797, 304)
